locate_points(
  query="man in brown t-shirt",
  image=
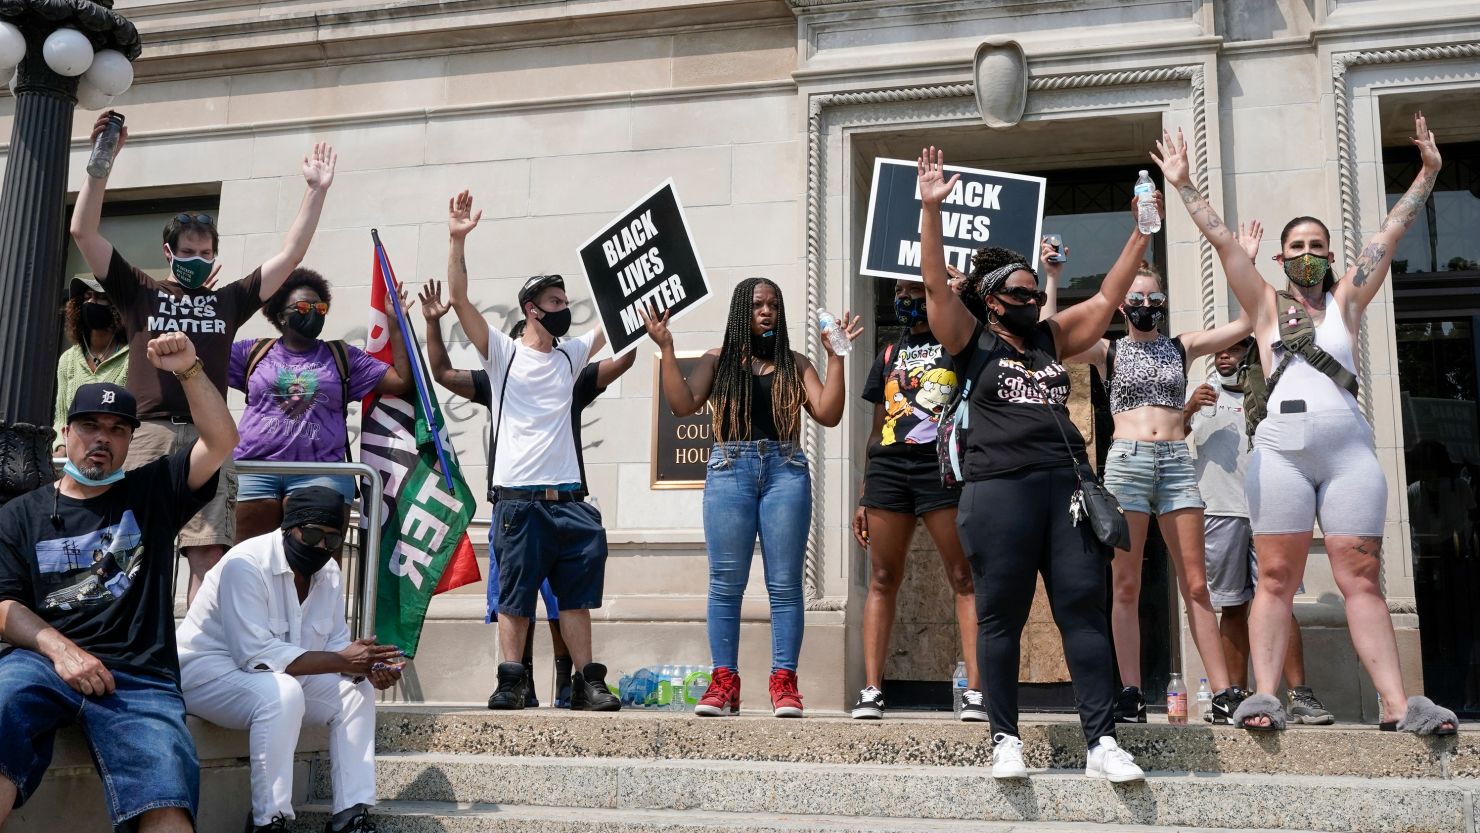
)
(186, 302)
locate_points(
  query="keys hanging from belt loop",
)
(1076, 507)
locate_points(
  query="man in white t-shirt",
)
(542, 526)
(1222, 445)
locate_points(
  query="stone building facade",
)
(768, 115)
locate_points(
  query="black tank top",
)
(762, 418)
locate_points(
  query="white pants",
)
(272, 708)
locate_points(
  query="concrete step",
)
(446, 817)
(1343, 750)
(1318, 803)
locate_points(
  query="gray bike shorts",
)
(1316, 465)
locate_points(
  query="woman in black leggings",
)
(1014, 515)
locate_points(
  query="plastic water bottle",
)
(100, 163)
(1204, 700)
(958, 687)
(678, 690)
(695, 683)
(1177, 701)
(642, 687)
(836, 338)
(1147, 218)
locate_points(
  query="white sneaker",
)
(1107, 760)
(973, 706)
(1007, 757)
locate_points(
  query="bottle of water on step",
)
(958, 687)
(1204, 701)
(1148, 220)
(833, 329)
(1177, 701)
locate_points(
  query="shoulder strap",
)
(1110, 361)
(1297, 335)
(502, 389)
(888, 356)
(1181, 352)
(256, 355)
(341, 363)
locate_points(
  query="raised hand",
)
(318, 167)
(852, 327)
(1161, 206)
(432, 305)
(657, 328)
(1249, 235)
(1423, 138)
(460, 216)
(215, 273)
(933, 184)
(955, 279)
(1173, 159)
(388, 306)
(171, 352)
(1046, 251)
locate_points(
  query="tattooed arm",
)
(1253, 293)
(1364, 278)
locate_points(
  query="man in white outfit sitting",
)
(265, 647)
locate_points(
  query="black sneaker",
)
(1225, 703)
(279, 824)
(511, 687)
(530, 701)
(870, 705)
(588, 691)
(359, 823)
(1130, 706)
(1306, 708)
(973, 706)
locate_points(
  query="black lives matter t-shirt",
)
(584, 393)
(914, 379)
(104, 579)
(1019, 407)
(209, 317)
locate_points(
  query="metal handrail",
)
(365, 581)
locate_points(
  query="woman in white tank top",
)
(1314, 454)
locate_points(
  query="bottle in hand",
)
(1147, 218)
(100, 163)
(836, 338)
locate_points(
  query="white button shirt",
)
(246, 615)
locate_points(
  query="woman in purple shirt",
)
(298, 389)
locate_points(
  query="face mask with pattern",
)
(1307, 269)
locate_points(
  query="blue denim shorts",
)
(552, 605)
(277, 486)
(536, 540)
(137, 734)
(1152, 478)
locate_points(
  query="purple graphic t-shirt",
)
(295, 407)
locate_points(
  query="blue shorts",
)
(277, 486)
(552, 605)
(537, 540)
(1152, 477)
(137, 735)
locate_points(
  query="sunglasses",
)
(202, 219)
(313, 536)
(1136, 299)
(1024, 295)
(305, 307)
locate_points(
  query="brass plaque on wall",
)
(680, 444)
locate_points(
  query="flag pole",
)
(389, 277)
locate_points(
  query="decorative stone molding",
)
(951, 100)
(1346, 163)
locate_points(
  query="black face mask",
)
(763, 346)
(308, 326)
(97, 316)
(1018, 319)
(1144, 319)
(304, 560)
(910, 310)
(557, 324)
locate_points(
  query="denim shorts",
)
(277, 486)
(552, 605)
(137, 735)
(1152, 478)
(535, 540)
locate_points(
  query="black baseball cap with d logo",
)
(104, 398)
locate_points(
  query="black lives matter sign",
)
(986, 208)
(643, 258)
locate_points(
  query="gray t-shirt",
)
(1222, 450)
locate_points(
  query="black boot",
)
(530, 701)
(511, 687)
(562, 682)
(588, 691)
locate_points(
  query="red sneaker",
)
(722, 698)
(785, 698)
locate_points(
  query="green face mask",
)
(191, 272)
(1307, 269)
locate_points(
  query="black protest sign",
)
(643, 257)
(986, 208)
(680, 444)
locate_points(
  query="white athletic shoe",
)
(1107, 760)
(1007, 757)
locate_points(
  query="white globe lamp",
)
(68, 52)
(12, 44)
(110, 73)
(90, 97)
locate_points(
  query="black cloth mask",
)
(305, 560)
(557, 324)
(1019, 319)
(97, 316)
(763, 346)
(1144, 319)
(308, 326)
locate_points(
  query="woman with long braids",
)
(757, 480)
(1022, 455)
(1314, 454)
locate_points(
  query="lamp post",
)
(63, 51)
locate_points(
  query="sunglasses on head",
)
(304, 307)
(202, 219)
(1024, 295)
(1136, 299)
(313, 536)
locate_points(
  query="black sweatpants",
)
(1014, 527)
